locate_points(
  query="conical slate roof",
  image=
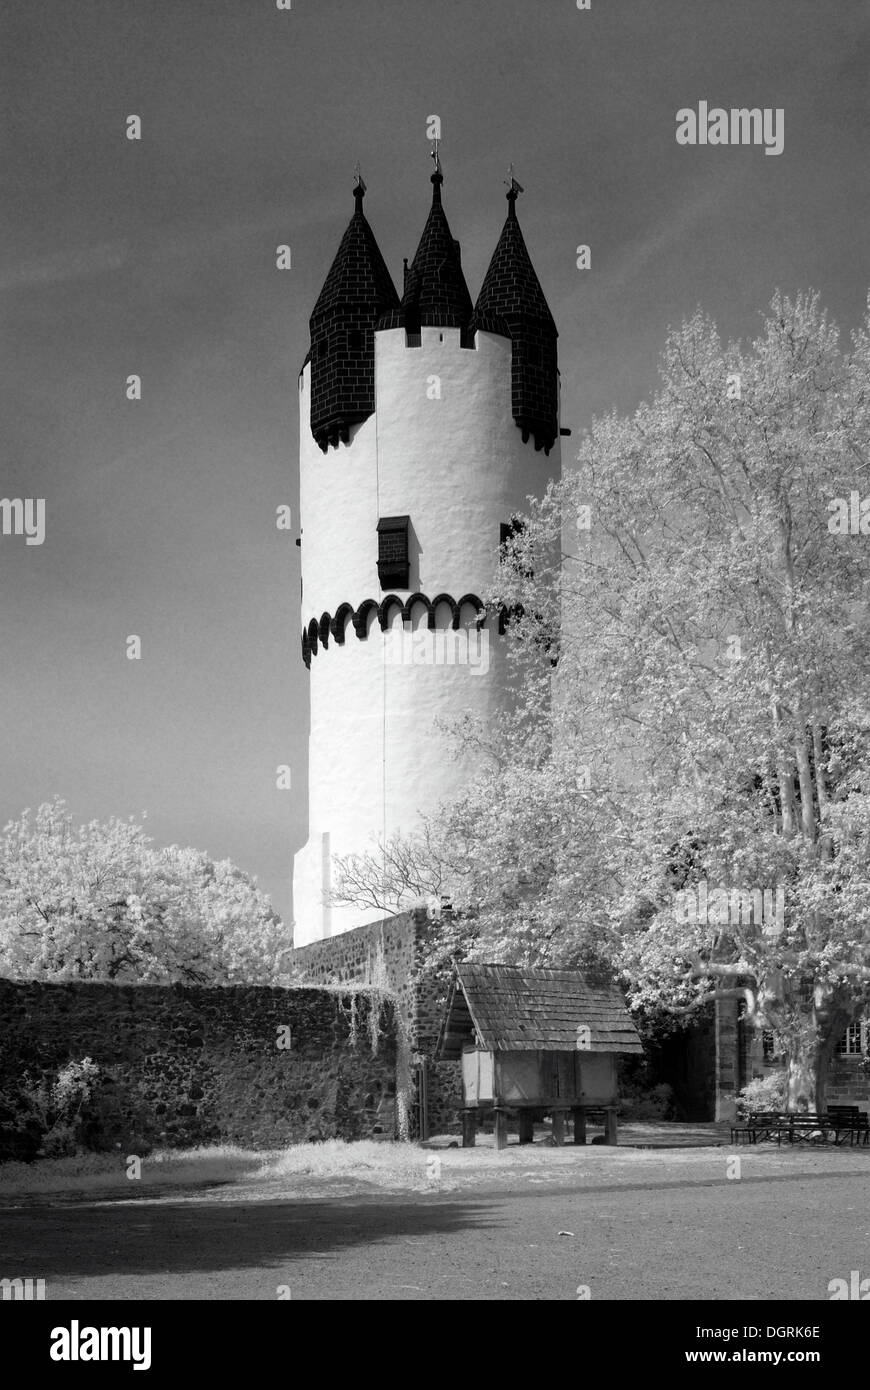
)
(435, 292)
(511, 302)
(356, 292)
(358, 275)
(511, 290)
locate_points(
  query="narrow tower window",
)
(413, 336)
(393, 556)
(507, 531)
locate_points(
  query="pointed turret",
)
(511, 302)
(357, 291)
(435, 293)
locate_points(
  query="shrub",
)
(46, 1115)
(764, 1093)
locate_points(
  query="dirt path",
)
(639, 1225)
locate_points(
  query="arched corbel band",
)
(361, 617)
(339, 622)
(317, 633)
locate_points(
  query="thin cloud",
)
(79, 264)
(674, 227)
(168, 244)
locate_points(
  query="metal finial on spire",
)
(512, 184)
(435, 155)
(359, 186)
(513, 189)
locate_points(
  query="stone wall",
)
(183, 1066)
(848, 1082)
(390, 955)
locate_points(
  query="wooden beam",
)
(610, 1125)
(579, 1117)
(500, 1129)
(469, 1128)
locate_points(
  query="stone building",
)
(705, 1065)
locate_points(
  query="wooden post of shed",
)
(559, 1127)
(500, 1129)
(527, 1127)
(610, 1125)
(579, 1118)
(469, 1128)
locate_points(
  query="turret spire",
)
(512, 302)
(435, 292)
(356, 292)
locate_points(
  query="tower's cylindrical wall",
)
(443, 449)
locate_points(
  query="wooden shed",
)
(534, 1041)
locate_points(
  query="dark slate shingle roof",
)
(518, 1008)
(510, 288)
(358, 273)
(435, 288)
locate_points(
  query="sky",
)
(157, 257)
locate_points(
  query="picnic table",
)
(840, 1122)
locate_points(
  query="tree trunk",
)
(808, 1059)
(805, 1083)
(805, 779)
(816, 1025)
(784, 777)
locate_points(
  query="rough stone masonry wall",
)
(188, 1065)
(740, 1058)
(848, 1080)
(390, 954)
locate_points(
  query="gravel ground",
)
(524, 1224)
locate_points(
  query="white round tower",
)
(425, 425)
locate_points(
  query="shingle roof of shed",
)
(516, 1008)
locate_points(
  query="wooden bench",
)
(840, 1121)
(854, 1121)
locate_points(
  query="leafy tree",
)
(101, 902)
(707, 727)
(714, 672)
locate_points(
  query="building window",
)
(507, 530)
(534, 356)
(393, 552)
(854, 1041)
(413, 337)
(356, 340)
(768, 1045)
